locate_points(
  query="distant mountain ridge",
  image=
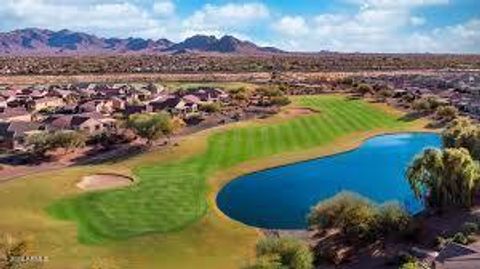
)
(34, 41)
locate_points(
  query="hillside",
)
(38, 42)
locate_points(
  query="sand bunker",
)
(104, 181)
(294, 112)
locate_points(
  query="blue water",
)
(281, 198)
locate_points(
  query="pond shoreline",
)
(241, 190)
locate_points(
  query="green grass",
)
(173, 195)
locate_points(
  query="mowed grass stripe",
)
(172, 195)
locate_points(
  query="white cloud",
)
(377, 26)
(292, 26)
(164, 8)
(222, 19)
(106, 18)
(369, 26)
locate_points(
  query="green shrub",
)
(410, 265)
(441, 242)
(353, 214)
(393, 218)
(359, 218)
(210, 107)
(460, 238)
(280, 101)
(469, 228)
(276, 253)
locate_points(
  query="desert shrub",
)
(446, 113)
(469, 228)
(393, 217)
(364, 89)
(358, 218)
(350, 212)
(276, 253)
(427, 104)
(280, 101)
(460, 238)
(151, 126)
(11, 248)
(210, 107)
(440, 242)
(270, 91)
(463, 133)
(40, 143)
(410, 265)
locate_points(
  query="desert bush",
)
(463, 133)
(277, 253)
(460, 238)
(427, 104)
(280, 101)
(358, 218)
(364, 89)
(11, 248)
(210, 107)
(354, 215)
(469, 228)
(152, 126)
(410, 265)
(393, 217)
(446, 113)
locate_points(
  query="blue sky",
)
(302, 25)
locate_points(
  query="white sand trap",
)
(104, 181)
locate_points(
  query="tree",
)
(151, 126)
(446, 113)
(41, 143)
(278, 253)
(38, 144)
(463, 133)
(67, 140)
(444, 178)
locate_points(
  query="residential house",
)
(131, 109)
(209, 94)
(15, 114)
(177, 105)
(118, 103)
(13, 134)
(99, 105)
(78, 122)
(456, 256)
(46, 102)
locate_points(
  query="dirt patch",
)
(295, 112)
(104, 181)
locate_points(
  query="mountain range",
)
(33, 41)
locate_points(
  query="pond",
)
(281, 198)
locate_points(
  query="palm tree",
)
(447, 178)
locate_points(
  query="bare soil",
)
(104, 181)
